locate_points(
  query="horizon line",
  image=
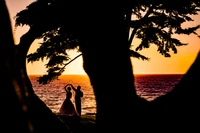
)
(133, 74)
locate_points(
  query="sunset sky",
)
(177, 64)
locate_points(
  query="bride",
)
(67, 107)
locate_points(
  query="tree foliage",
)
(153, 22)
(53, 48)
(160, 22)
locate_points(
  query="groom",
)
(78, 96)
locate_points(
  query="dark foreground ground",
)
(86, 123)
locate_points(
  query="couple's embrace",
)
(68, 108)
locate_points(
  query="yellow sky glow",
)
(177, 64)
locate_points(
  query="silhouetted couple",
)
(67, 107)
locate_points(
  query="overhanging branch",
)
(139, 23)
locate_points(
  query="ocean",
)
(53, 94)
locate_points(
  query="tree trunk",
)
(13, 115)
(107, 62)
(21, 51)
(181, 104)
(23, 111)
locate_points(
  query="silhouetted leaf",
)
(167, 55)
(187, 31)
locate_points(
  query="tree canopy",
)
(152, 22)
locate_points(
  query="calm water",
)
(53, 94)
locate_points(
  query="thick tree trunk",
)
(107, 62)
(22, 111)
(180, 106)
(14, 113)
(21, 51)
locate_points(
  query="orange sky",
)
(177, 64)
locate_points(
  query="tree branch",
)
(137, 25)
(70, 61)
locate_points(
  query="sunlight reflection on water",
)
(53, 94)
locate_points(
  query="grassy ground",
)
(86, 123)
